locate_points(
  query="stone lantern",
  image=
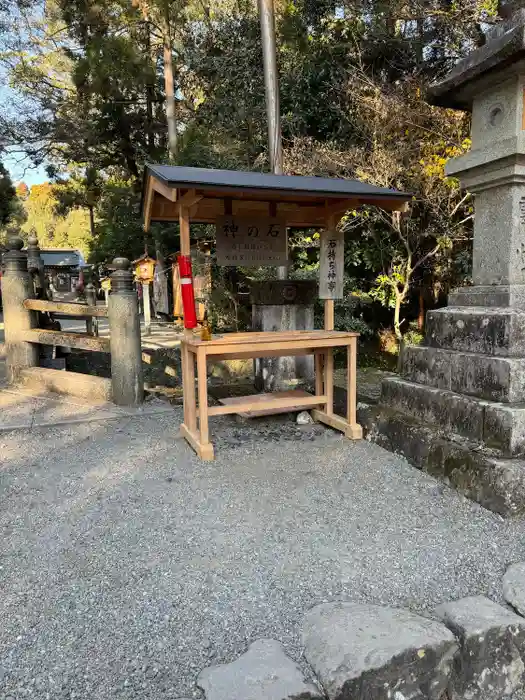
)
(458, 410)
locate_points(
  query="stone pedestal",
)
(283, 305)
(458, 409)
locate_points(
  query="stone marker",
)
(514, 587)
(264, 672)
(489, 664)
(369, 652)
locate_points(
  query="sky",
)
(24, 171)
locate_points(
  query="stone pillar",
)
(16, 287)
(458, 409)
(125, 344)
(283, 306)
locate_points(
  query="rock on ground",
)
(489, 664)
(304, 418)
(264, 672)
(369, 652)
(514, 587)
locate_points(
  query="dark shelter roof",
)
(178, 176)
(207, 194)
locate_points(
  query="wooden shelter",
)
(197, 195)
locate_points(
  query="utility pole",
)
(271, 82)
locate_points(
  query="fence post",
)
(17, 286)
(125, 343)
(91, 300)
(35, 265)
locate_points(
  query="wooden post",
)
(329, 324)
(354, 431)
(147, 308)
(202, 378)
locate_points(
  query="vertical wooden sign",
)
(332, 262)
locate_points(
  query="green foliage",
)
(54, 229)
(7, 197)
(89, 94)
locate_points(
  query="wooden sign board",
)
(250, 242)
(332, 263)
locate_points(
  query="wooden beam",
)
(167, 192)
(189, 199)
(81, 341)
(184, 222)
(69, 309)
(205, 452)
(148, 203)
(339, 209)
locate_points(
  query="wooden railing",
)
(67, 308)
(80, 341)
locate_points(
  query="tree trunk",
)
(397, 321)
(170, 91)
(92, 221)
(421, 316)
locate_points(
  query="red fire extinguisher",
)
(188, 296)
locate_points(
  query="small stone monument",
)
(458, 410)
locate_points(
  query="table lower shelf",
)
(273, 403)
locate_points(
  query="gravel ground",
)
(127, 565)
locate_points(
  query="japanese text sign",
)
(249, 242)
(331, 269)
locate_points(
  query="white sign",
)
(249, 242)
(331, 268)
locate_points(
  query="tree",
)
(69, 229)
(7, 196)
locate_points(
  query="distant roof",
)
(208, 194)
(57, 257)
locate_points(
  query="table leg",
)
(185, 389)
(329, 381)
(354, 431)
(190, 405)
(318, 365)
(202, 378)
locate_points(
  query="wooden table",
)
(255, 345)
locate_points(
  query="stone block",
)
(504, 429)
(264, 672)
(497, 484)
(489, 664)
(489, 296)
(483, 376)
(279, 373)
(492, 378)
(365, 652)
(486, 331)
(425, 365)
(514, 587)
(451, 412)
